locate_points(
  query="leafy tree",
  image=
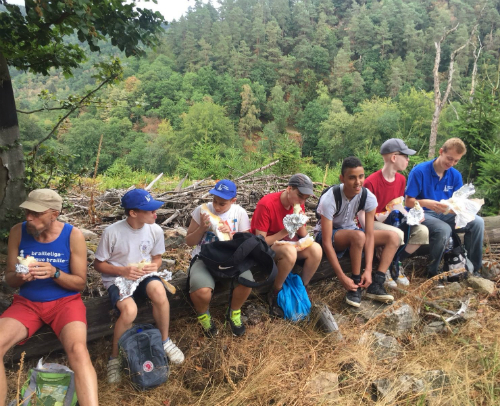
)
(35, 41)
(278, 108)
(249, 112)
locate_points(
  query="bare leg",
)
(13, 331)
(312, 256)
(355, 241)
(161, 308)
(201, 299)
(411, 248)
(240, 294)
(128, 313)
(286, 256)
(391, 242)
(74, 340)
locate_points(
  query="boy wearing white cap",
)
(130, 241)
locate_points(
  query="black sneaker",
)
(376, 290)
(208, 327)
(234, 319)
(274, 309)
(353, 298)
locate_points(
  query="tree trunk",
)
(12, 191)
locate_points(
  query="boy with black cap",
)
(233, 219)
(267, 221)
(130, 241)
(388, 184)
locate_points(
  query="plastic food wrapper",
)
(293, 222)
(215, 223)
(23, 263)
(394, 204)
(464, 208)
(127, 286)
(302, 244)
(415, 215)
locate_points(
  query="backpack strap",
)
(337, 194)
(362, 201)
(261, 255)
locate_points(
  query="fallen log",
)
(492, 229)
(100, 314)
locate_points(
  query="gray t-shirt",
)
(121, 245)
(345, 218)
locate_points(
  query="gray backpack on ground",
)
(49, 385)
(144, 357)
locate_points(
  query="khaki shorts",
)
(200, 277)
(419, 234)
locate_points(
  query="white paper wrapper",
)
(302, 244)
(293, 222)
(22, 263)
(464, 208)
(416, 215)
(22, 269)
(127, 286)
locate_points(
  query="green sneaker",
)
(209, 328)
(234, 318)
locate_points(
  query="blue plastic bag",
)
(293, 299)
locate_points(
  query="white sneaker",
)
(389, 282)
(173, 352)
(114, 370)
(402, 279)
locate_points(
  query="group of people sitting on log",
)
(49, 291)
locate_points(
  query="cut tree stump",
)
(492, 229)
(100, 315)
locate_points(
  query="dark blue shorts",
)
(340, 254)
(138, 295)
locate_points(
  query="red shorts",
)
(56, 313)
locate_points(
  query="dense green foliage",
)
(306, 81)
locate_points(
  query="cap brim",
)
(152, 205)
(408, 151)
(221, 194)
(37, 208)
(305, 190)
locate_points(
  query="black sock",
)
(356, 279)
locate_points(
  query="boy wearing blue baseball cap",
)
(233, 218)
(131, 241)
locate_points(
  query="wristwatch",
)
(57, 273)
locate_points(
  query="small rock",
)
(63, 218)
(324, 388)
(392, 389)
(174, 238)
(436, 379)
(384, 347)
(182, 231)
(490, 269)
(368, 309)
(90, 256)
(481, 285)
(88, 234)
(398, 321)
(435, 327)
(453, 287)
(255, 313)
(112, 196)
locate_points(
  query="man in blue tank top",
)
(47, 261)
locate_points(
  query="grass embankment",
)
(275, 362)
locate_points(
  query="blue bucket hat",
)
(140, 199)
(225, 189)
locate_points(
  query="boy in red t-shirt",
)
(387, 184)
(267, 221)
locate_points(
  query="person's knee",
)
(203, 294)
(286, 253)
(394, 239)
(128, 312)
(77, 353)
(357, 239)
(315, 251)
(156, 292)
(477, 224)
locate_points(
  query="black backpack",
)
(337, 194)
(229, 259)
(456, 261)
(145, 360)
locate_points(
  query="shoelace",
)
(236, 317)
(205, 321)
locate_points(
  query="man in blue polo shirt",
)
(428, 183)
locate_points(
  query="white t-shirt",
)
(345, 218)
(121, 245)
(236, 217)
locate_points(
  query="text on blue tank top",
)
(57, 253)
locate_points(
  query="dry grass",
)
(275, 361)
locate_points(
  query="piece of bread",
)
(26, 261)
(141, 264)
(393, 202)
(215, 222)
(297, 209)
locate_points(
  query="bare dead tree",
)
(440, 102)
(477, 53)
